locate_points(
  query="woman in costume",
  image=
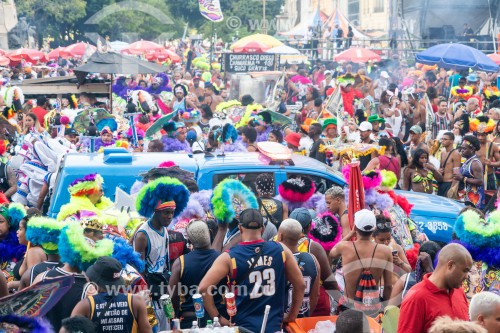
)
(105, 139)
(175, 139)
(11, 251)
(420, 174)
(224, 139)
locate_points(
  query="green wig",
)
(389, 180)
(159, 191)
(45, 232)
(13, 213)
(76, 251)
(230, 198)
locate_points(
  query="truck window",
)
(322, 184)
(246, 178)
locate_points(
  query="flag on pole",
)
(356, 192)
(429, 119)
(335, 106)
(210, 9)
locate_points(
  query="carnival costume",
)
(11, 252)
(79, 190)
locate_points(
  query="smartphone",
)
(394, 252)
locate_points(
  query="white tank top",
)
(156, 251)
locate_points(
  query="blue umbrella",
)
(456, 56)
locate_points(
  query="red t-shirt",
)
(425, 302)
(40, 114)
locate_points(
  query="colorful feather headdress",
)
(482, 124)
(25, 324)
(75, 250)
(90, 184)
(230, 197)
(298, 189)
(481, 237)
(45, 232)
(159, 191)
(326, 230)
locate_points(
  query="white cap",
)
(365, 126)
(328, 72)
(365, 220)
(384, 74)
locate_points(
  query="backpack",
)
(367, 297)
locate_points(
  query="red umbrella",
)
(163, 55)
(356, 192)
(357, 54)
(495, 57)
(55, 53)
(30, 55)
(251, 47)
(4, 61)
(142, 47)
(76, 50)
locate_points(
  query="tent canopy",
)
(313, 20)
(339, 18)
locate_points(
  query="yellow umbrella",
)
(264, 39)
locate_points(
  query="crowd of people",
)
(289, 245)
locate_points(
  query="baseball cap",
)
(251, 219)
(302, 215)
(106, 271)
(365, 220)
(328, 72)
(365, 126)
(384, 74)
(416, 129)
(70, 131)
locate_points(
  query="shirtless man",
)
(363, 252)
(415, 112)
(489, 155)
(335, 202)
(211, 98)
(450, 159)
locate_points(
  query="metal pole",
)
(264, 23)
(212, 44)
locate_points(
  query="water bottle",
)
(194, 327)
(209, 326)
(216, 322)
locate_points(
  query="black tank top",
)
(43, 267)
(119, 317)
(194, 266)
(65, 306)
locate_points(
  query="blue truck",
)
(119, 168)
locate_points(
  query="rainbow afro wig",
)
(159, 191)
(88, 185)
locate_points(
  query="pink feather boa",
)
(368, 182)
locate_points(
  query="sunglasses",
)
(384, 225)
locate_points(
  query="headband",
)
(165, 205)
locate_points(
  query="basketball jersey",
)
(156, 251)
(309, 271)
(119, 317)
(194, 266)
(264, 285)
(43, 267)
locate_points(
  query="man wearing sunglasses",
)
(470, 175)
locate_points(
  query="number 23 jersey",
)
(264, 285)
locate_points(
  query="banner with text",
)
(250, 62)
